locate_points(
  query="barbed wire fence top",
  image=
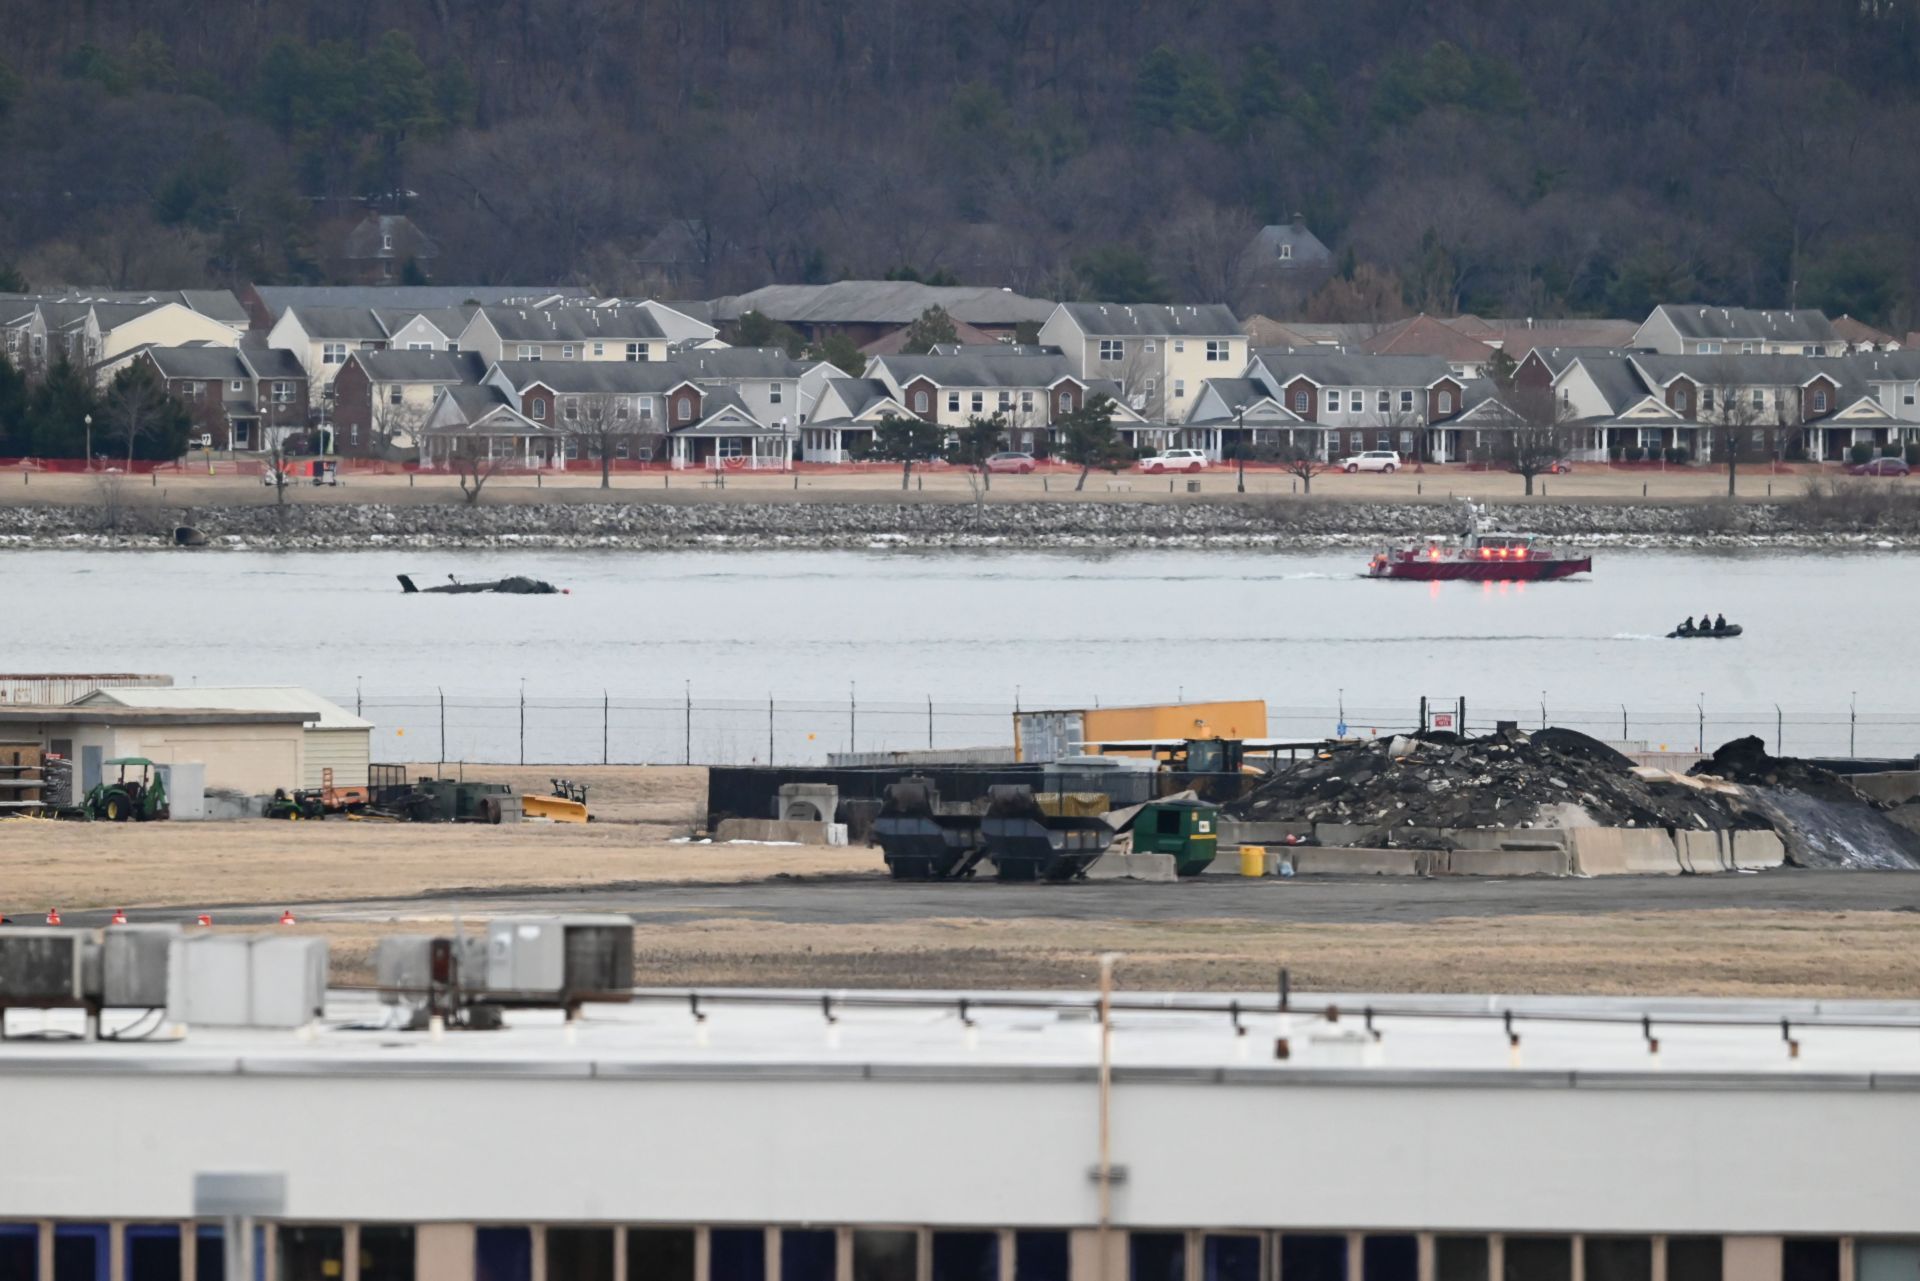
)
(540, 728)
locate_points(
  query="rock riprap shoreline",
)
(1040, 526)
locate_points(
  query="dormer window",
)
(1819, 402)
(686, 407)
(1681, 400)
(1446, 402)
(1066, 402)
(1286, 252)
(920, 401)
(1300, 399)
(539, 411)
(386, 240)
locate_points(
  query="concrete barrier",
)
(1504, 838)
(1704, 852)
(1533, 862)
(1894, 787)
(1756, 850)
(1235, 833)
(1623, 851)
(1142, 866)
(1322, 860)
(787, 831)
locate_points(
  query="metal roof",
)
(978, 368)
(621, 377)
(882, 302)
(1154, 320)
(1350, 369)
(421, 366)
(317, 711)
(1693, 320)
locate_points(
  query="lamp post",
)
(1240, 445)
(88, 419)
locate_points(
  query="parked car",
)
(1560, 466)
(1880, 467)
(1175, 460)
(1383, 460)
(1012, 460)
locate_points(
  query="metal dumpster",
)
(1188, 830)
(917, 841)
(1028, 844)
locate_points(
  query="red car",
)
(1880, 467)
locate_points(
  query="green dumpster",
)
(1188, 830)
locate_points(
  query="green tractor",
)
(142, 799)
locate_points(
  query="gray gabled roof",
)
(448, 320)
(1737, 324)
(475, 400)
(216, 304)
(739, 362)
(1351, 369)
(353, 324)
(1153, 320)
(1741, 371)
(882, 302)
(273, 362)
(1615, 379)
(278, 298)
(979, 368)
(1558, 358)
(212, 364)
(421, 366)
(574, 324)
(1308, 249)
(587, 377)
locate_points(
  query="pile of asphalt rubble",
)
(1509, 779)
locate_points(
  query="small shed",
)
(335, 739)
(247, 752)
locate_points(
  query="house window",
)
(1112, 350)
(333, 353)
(1906, 397)
(1681, 400)
(1809, 350)
(191, 390)
(1179, 346)
(1300, 402)
(353, 434)
(636, 351)
(1066, 402)
(1005, 403)
(539, 411)
(646, 409)
(1706, 400)
(236, 386)
(686, 407)
(573, 447)
(419, 346)
(566, 351)
(953, 402)
(1150, 348)
(979, 402)
(1759, 436)
(386, 241)
(1286, 252)
(773, 393)
(621, 409)
(570, 409)
(620, 447)
(1385, 402)
(1217, 349)
(529, 351)
(1446, 402)
(394, 394)
(1819, 402)
(1333, 402)
(1026, 402)
(283, 393)
(599, 349)
(1709, 349)
(1406, 402)
(1759, 398)
(1149, 387)
(1179, 389)
(920, 402)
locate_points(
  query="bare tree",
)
(1537, 437)
(1727, 414)
(474, 462)
(393, 422)
(1302, 462)
(136, 405)
(599, 421)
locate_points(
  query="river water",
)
(850, 645)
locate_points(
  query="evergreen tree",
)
(1089, 439)
(57, 411)
(905, 441)
(841, 351)
(13, 409)
(933, 327)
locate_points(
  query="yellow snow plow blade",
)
(557, 808)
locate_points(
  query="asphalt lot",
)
(867, 900)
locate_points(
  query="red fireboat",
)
(1478, 556)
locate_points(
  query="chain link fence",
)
(438, 725)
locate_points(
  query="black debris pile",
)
(1745, 760)
(1410, 786)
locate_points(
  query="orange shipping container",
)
(1050, 735)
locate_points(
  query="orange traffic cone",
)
(286, 918)
(53, 916)
(119, 916)
(205, 919)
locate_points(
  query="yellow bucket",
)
(1253, 860)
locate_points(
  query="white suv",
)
(1385, 460)
(1175, 460)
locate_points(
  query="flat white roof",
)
(233, 698)
(1380, 1039)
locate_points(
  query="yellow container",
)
(1253, 860)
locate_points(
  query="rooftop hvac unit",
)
(133, 966)
(43, 966)
(268, 980)
(559, 959)
(427, 975)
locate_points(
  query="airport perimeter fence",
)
(691, 728)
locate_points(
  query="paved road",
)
(1365, 900)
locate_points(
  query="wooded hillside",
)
(1583, 156)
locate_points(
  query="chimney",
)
(1299, 221)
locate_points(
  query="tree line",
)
(63, 415)
(1586, 157)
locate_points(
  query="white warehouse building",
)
(905, 1136)
(335, 742)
